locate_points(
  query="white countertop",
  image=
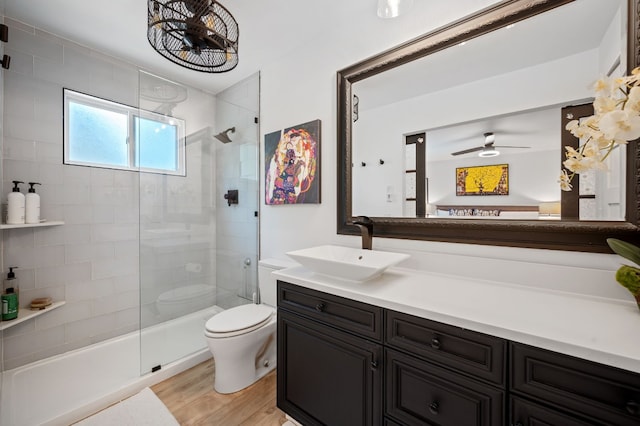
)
(597, 329)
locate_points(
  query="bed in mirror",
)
(457, 135)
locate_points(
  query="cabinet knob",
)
(435, 343)
(320, 307)
(374, 364)
(632, 407)
(433, 407)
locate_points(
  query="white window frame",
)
(132, 141)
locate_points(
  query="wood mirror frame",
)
(586, 236)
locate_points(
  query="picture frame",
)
(292, 165)
(482, 180)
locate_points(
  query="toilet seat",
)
(239, 320)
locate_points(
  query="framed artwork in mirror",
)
(292, 165)
(483, 180)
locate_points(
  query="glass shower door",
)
(177, 219)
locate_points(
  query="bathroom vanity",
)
(415, 348)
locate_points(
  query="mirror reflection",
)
(474, 131)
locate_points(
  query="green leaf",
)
(624, 249)
(629, 277)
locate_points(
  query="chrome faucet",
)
(366, 229)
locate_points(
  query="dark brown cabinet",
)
(328, 376)
(343, 362)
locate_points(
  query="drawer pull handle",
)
(435, 343)
(320, 307)
(633, 407)
(433, 408)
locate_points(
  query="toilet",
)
(243, 339)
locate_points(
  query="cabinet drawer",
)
(526, 413)
(466, 351)
(419, 393)
(590, 389)
(345, 314)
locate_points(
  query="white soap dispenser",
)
(32, 205)
(15, 208)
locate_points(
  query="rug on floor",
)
(142, 409)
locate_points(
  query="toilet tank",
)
(267, 282)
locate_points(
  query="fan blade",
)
(509, 146)
(466, 151)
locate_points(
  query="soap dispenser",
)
(12, 282)
(32, 205)
(10, 298)
(9, 305)
(16, 201)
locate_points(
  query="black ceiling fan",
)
(488, 149)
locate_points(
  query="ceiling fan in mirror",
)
(488, 149)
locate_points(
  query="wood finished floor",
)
(192, 401)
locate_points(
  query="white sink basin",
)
(345, 262)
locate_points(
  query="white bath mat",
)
(142, 409)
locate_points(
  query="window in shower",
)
(102, 133)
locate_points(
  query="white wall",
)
(292, 93)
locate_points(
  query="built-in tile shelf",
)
(32, 225)
(25, 314)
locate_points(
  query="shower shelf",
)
(32, 225)
(26, 314)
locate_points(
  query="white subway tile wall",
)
(127, 237)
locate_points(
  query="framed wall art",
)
(483, 180)
(292, 165)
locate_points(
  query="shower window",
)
(102, 133)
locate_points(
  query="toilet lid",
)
(239, 318)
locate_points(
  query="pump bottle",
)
(32, 205)
(16, 202)
(10, 297)
(12, 282)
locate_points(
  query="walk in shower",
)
(144, 256)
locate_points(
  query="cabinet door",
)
(420, 393)
(325, 376)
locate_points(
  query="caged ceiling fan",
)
(488, 149)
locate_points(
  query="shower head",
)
(224, 136)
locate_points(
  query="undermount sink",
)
(345, 262)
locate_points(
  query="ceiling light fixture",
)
(393, 8)
(197, 34)
(488, 152)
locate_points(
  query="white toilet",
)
(243, 339)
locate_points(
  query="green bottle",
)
(9, 305)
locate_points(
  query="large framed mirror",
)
(413, 119)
